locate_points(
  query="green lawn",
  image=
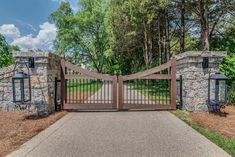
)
(225, 143)
(83, 87)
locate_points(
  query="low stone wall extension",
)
(6, 88)
(47, 68)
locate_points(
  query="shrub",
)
(228, 68)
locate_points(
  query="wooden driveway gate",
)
(82, 89)
(151, 89)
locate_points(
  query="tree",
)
(64, 21)
(82, 35)
(129, 35)
(211, 16)
(182, 30)
(6, 52)
(134, 36)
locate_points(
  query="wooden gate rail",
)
(150, 75)
(79, 73)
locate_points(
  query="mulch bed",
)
(17, 128)
(222, 123)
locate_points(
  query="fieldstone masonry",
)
(195, 78)
(6, 88)
(47, 67)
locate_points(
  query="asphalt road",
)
(119, 134)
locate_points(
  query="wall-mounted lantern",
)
(21, 88)
(217, 91)
(21, 85)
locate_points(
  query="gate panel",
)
(87, 90)
(152, 89)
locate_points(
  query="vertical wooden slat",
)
(137, 90)
(97, 87)
(73, 90)
(120, 92)
(134, 90)
(141, 89)
(173, 83)
(114, 92)
(90, 91)
(83, 86)
(155, 92)
(80, 91)
(76, 91)
(126, 100)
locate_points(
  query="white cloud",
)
(43, 40)
(10, 30)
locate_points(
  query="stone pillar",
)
(195, 77)
(47, 68)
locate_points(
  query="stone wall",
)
(195, 78)
(47, 68)
(6, 88)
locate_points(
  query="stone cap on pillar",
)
(196, 57)
(40, 57)
(201, 54)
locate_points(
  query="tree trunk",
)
(167, 40)
(204, 25)
(159, 43)
(165, 37)
(148, 46)
(182, 28)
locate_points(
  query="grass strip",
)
(225, 143)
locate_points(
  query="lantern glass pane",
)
(212, 90)
(26, 90)
(17, 90)
(222, 89)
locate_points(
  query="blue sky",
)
(25, 22)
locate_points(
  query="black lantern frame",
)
(21, 89)
(217, 91)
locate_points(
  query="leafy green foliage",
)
(82, 36)
(6, 52)
(132, 28)
(127, 36)
(228, 68)
(226, 42)
(64, 20)
(231, 94)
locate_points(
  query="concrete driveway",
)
(119, 134)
